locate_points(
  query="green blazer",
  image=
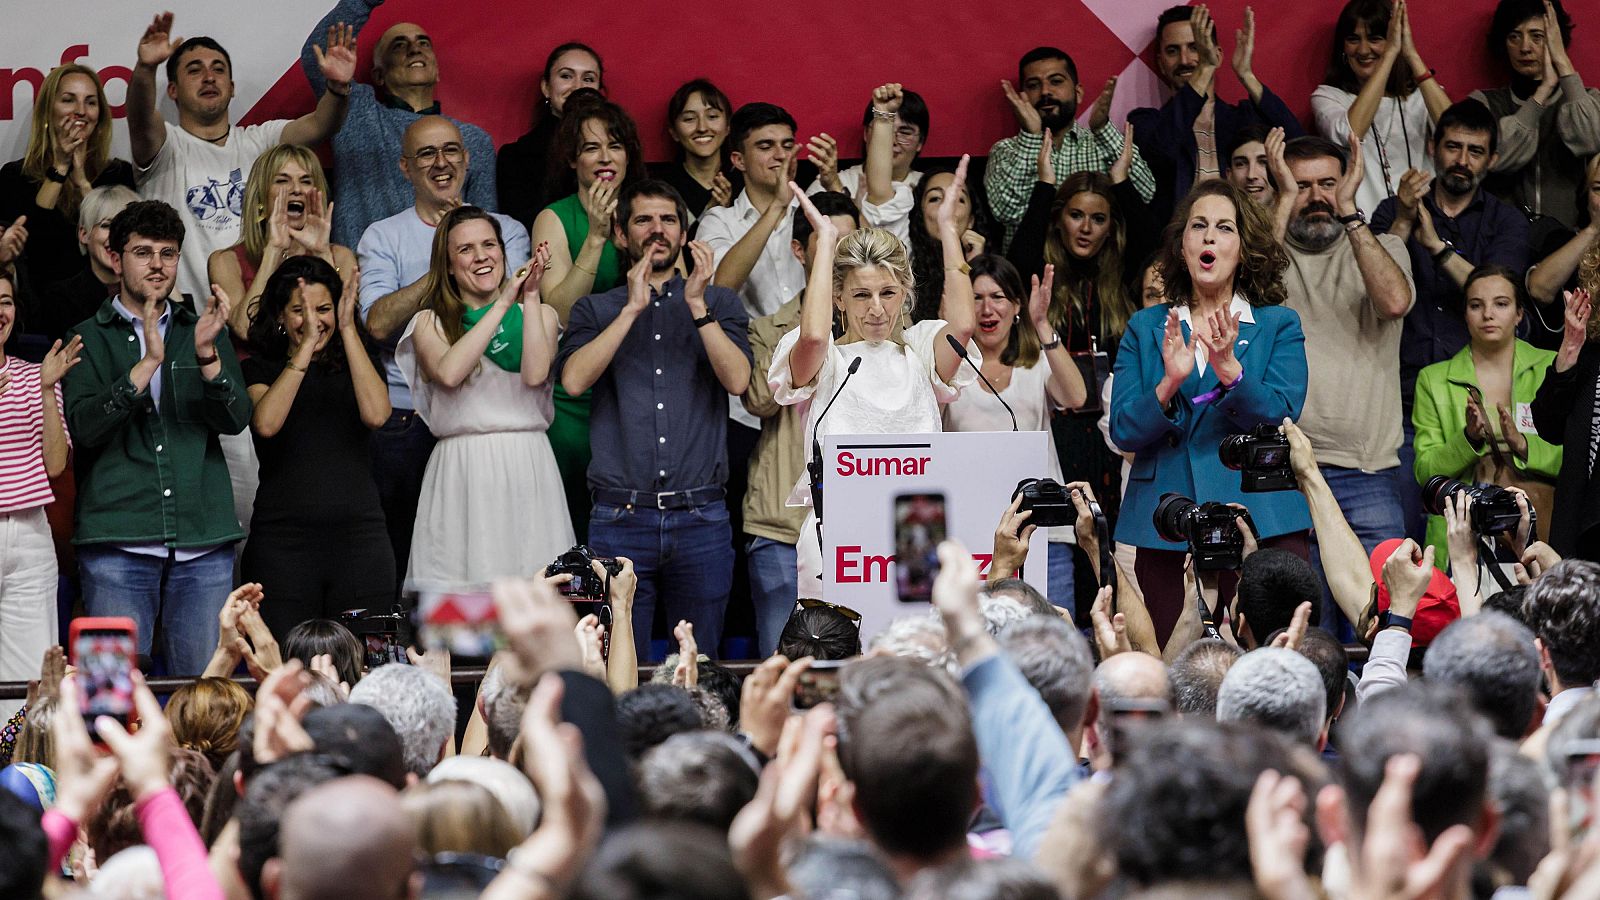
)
(1440, 418)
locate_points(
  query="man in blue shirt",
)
(662, 354)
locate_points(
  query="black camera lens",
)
(1437, 489)
(1172, 516)
(1235, 451)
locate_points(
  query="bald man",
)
(404, 75)
(1132, 687)
(348, 839)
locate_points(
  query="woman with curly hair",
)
(1220, 357)
(206, 715)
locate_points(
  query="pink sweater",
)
(168, 831)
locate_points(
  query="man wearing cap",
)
(405, 73)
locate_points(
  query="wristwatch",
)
(705, 320)
(1388, 619)
(1444, 252)
(50, 174)
(1352, 221)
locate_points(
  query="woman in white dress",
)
(477, 359)
(1378, 89)
(905, 370)
(1034, 373)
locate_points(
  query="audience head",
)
(569, 67)
(1517, 35)
(1318, 165)
(1333, 667)
(1511, 601)
(697, 776)
(206, 714)
(8, 302)
(361, 739)
(1197, 676)
(910, 129)
(1493, 660)
(597, 142)
(24, 849)
(1247, 165)
(1057, 662)
(982, 879)
(698, 120)
(1359, 39)
(468, 267)
(1132, 689)
(434, 159)
(927, 257)
(286, 173)
(95, 213)
(873, 286)
(501, 779)
(200, 80)
(1464, 145)
(1002, 298)
(652, 220)
(1564, 608)
(1025, 594)
(403, 58)
(348, 837)
(1495, 299)
(1177, 57)
(906, 744)
(502, 702)
(71, 97)
(651, 713)
(1278, 689)
(146, 238)
(1435, 724)
(459, 817)
(919, 638)
(839, 208)
(1588, 203)
(761, 144)
(325, 637)
(419, 707)
(301, 287)
(133, 873)
(1220, 239)
(116, 826)
(825, 866)
(1517, 786)
(661, 861)
(821, 631)
(267, 795)
(1150, 289)
(1048, 79)
(1272, 584)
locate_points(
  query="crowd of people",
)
(1362, 667)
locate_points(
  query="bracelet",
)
(884, 114)
(51, 175)
(1055, 341)
(342, 96)
(1444, 252)
(206, 360)
(289, 364)
(580, 268)
(1424, 77)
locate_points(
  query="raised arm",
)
(1551, 274)
(146, 130)
(956, 307)
(584, 366)
(452, 364)
(272, 403)
(338, 67)
(1066, 387)
(1388, 287)
(1365, 107)
(1433, 95)
(879, 166)
(730, 359)
(353, 13)
(734, 268)
(372, 392)
(816, 310)
(567, 276)
(56, 363)
(1344, 560)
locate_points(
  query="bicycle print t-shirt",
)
(205, 183)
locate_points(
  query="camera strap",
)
(1486, 558)
(1108, 562)
(1208, 622)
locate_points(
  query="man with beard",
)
(1190, 129)
(662, 353)
(1450, 226)
(1049, 103)
(1352, 289)
(154, 387)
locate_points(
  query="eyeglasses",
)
(427, 156)
(907, 134)
(845, 611)
(149, 255)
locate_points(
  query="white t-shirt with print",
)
(205, 183)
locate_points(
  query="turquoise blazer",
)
(1178, 453)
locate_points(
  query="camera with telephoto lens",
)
(1261, 457)
(585, 584)
(383, 636)
(1208, 528)
(1494, 509)
(1050, 501)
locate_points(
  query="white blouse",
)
(1396, 141)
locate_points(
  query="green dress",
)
(569, 433)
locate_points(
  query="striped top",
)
(23, 483)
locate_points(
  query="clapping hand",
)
(1100, 114)
(946, 216)
(59, 361)
(1350, 182)
(687, 673)
(1046, 163)
(824, 154)
(1205, 39)
(1576, 333)
(213, 321)
(1027, 114)
(694, 289)
(721, 190)
(1039, 303)
(1177, 351)
(827, 233)
(1414, 185)
(338, 62)
(349, 302)
(1124, 164)
(12, 240)
(1244, 47)
(526, 288)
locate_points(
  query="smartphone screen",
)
(818, 684)
(1582, 763)
(105, 660)
(461, 621)
(919, 528)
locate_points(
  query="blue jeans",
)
(1376, 513)
(682, 555)
(184, 596)
(773, 588)
(1060, 577)
(400, 451)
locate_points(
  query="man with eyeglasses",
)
(156, 384)
(405, 74)
(395, 254)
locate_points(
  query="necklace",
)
(219, 138)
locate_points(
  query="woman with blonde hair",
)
(904, 371)
(459, 817)
(287, 214)
(206, 715)
(477, 359)
(68, 155)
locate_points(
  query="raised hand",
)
(1027, 115)
(1205, 41)
(1395, 37)
(350, 301)
(572, 803)
(600, 204)
(145, 755)
(68, 142)
(1177, 352)
(435, 662)
(1296, 632)
(12, 240)
(721, 190)
(1039, 302)
(947, 204)
(694, 289)
(591, 640)
(83, 776)
(59, 361)
(1350, 182)
(1274, 823)
(639, 284)
(538, 625)
(1414, 185)
(787, 189)
(316, 234)
(1280, 166)
(280, 705)
(1394, 860)
(279, 236)
(1047, 169)
(1218, 341)
(888, 97)
(824, 154)
(1555, 49)
(531, 274)
(1244, 46)
(338, 62)
(1576, 331)
(687, 674)
(322, 664)
(1426, 234)
(827, 233)
(1100, 115)
(1011, 538)
(1406, 577)
(1110, 631)
(214, 320)
(157, 44)
(308, 326)
(1124, 163)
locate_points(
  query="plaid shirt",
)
(1014, 166)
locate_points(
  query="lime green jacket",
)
(1440, 418)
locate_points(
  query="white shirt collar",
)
(1562, 703)
(1239, 307)
(744, 210)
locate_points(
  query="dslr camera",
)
(1261, 457)
(1050, 501)
(585, 584)
(383, 636)
(1494, 509)
(1208, 528)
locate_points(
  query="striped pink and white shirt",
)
(23, 482)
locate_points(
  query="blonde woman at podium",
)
(1028, 377)
(855, 327)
